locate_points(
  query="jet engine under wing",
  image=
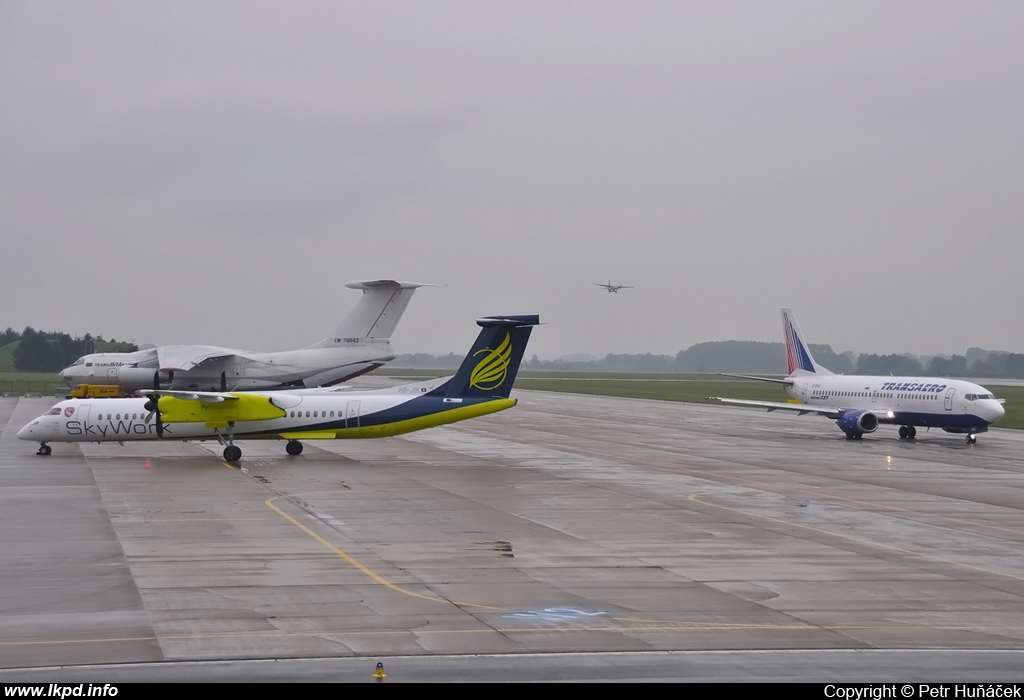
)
(770, 406)
(181, 358)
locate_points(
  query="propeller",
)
(153, 405)
(224, 381)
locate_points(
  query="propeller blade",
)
(153, 405)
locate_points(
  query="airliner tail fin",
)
(375, 315)
(798, 354)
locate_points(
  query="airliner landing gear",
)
(231, 452)
(971, 439)
(44, 450)
(294, 447)
(908, 432)
(854, 436)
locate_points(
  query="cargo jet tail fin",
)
(490, 368)
(375, 315)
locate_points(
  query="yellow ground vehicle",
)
(96, 391)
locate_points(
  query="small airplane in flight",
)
(859, 404)
(360, 344)
(612, 288)
(480, 386)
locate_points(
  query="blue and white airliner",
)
(859, 404)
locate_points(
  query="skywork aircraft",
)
(613, 288)
(859, 404)
(361, 343)
(480, 386)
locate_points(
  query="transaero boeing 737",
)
(361, 343)
(480, 386)
(859, 404)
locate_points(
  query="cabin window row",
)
(135, 416)
(887, 395)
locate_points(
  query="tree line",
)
(44, 351)
(753, 357)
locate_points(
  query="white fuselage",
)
(952, 404)
(241, 370)
(320, 416)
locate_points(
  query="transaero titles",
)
(913, 386)
(923, 690)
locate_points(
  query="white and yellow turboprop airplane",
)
(481, 386)
(360, 344)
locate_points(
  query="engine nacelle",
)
(137, 378)
(858, 422)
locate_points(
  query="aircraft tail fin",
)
(375, 315)
(798, 354)
(490, 368)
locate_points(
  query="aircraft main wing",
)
(802, 408)
(770, 406)
(182, 358)
(784, 380)
(203, 396)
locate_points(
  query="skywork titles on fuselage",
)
(115, 428)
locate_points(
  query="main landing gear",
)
(294, 448)
(908, 432)
(232, 453)
(44, 450)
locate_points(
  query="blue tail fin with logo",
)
(490, 368)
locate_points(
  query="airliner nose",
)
(26, 432)
(997, 411)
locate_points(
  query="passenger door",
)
(352, 414)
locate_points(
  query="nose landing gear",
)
(44, 450)
(972, 438)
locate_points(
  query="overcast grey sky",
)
(213, 172)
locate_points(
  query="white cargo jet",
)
(859, 404)
(479, 387)
(361, 343)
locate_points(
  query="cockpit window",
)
(55, 411)
(77, 362)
